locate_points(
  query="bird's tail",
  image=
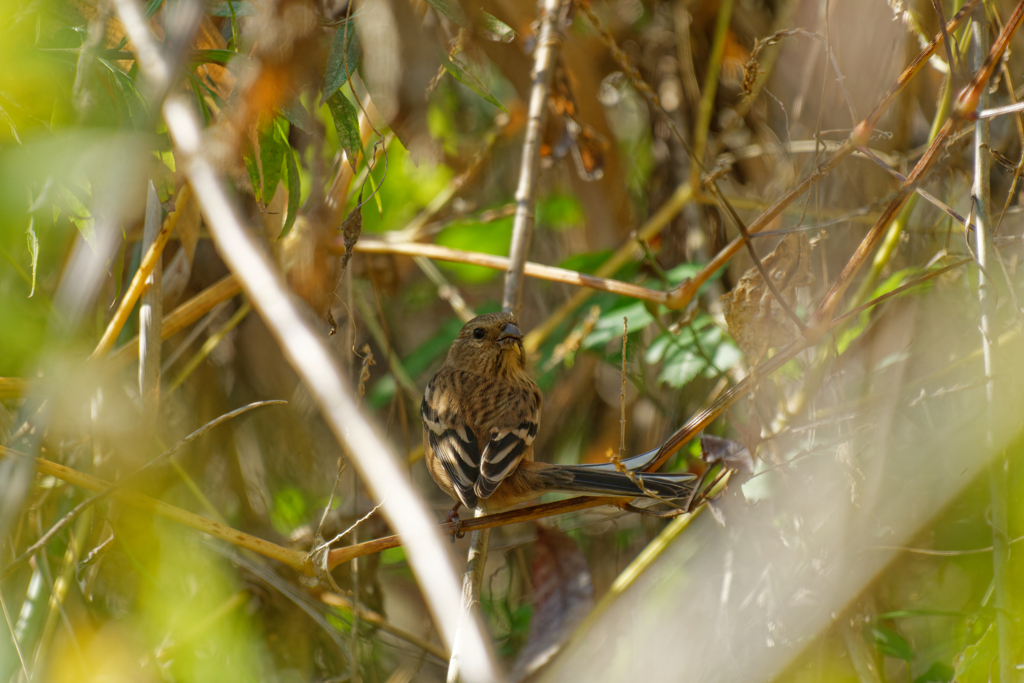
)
(584, 479)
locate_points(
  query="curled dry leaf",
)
(756, 320)
(732, 454)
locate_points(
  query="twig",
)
(536, 270)
(549, 38)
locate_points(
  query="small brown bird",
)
(480, 416)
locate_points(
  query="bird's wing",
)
(455, 446)
(508, 443)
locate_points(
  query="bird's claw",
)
(453, 516)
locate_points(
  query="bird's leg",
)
(453, 516)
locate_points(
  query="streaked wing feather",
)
(457, 450)
(502, 455)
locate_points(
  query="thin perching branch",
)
(548, 41)
(545, 55)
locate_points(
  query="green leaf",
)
(346, 122)
(342, 59)
(889, 643)
(586, 262)
(393, 555)
(298, 116)
(609, 325)
(451, 9)
(291, 181)
(204, 109)
(233, 43)
(460, 74)
(495, 29)
(240, 8)
(490, 238)
(560, 212)
(271, 160)
(152, 6)
(976, 663)
(289, 509)
(33, 251)
(78, 213)
(249, 157)
(938, 672)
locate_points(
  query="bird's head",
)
(490, 343)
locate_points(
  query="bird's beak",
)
(510, 331)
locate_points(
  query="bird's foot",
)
(453, 516)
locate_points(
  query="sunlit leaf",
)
(346, 122)
(342, 59)
(495, 29)
(938, 672)
(463, 76)
(976, 663)
(291, 179)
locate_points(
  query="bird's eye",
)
(478, 333)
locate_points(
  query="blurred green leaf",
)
(976, 663)
(242, 8)
(459, 73)
(233, 43)
(488, 238)
(854, 330)
(495, 29)
(271, 159)
(213, 56)
(609, 325)
(938, 672)
(252, 168)
(152, 6)
(78, 213)
(560, 212)
(491, 26)
(346, 122)
(393, 555)
(587, 262)
(889, 643)
(451, 9)
(200, 100)
(342, 59)
(298, 116)
(289, 509)
(291, 179)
